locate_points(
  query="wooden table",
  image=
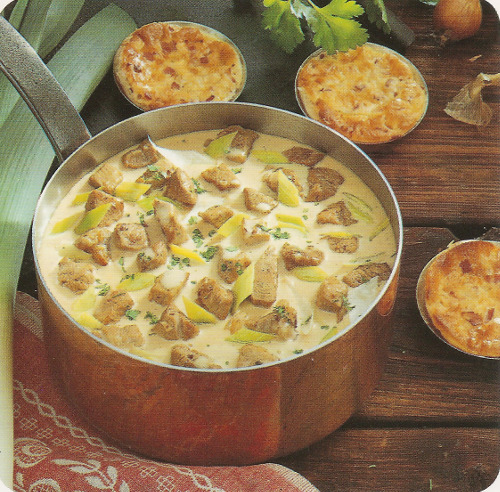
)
(433, 421)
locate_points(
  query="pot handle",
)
(46, 99)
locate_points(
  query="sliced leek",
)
(137, 281)
(245, 335)
(196, 313)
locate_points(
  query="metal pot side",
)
(207, 417)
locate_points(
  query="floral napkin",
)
(56, 451)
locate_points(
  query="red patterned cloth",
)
(56, 451)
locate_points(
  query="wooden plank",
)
(401, 460)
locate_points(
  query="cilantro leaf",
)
(377, 14)
(284, 26)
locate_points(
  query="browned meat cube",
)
(294, 256)
(171, 226)
(113, 306)
(265, 284)
(271, 178)
(155, 175)
(167, 287)
(364, 273)
(122, 336)
(323, 183)
(336, 213)
(242, 143)
(281, 321)
(76, 276)
(107, 177)
(254, 355)
(151, 261)
(231, 268)
(175, 325)
(221, 176)
(180, 187)
(236, 322)
(253, 232)
(214, 298)
(141, 156)
(332, 297)
(184, 356)
(258, 202)
(96, 243)
(343, 244)
(303, 155)
(216, 215)
(99, 197)
(131, 237)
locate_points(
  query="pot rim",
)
(396, 221)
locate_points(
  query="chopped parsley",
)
(197, 187)
(153, 319)
(209, 253)
(197, 237)
(132, 314)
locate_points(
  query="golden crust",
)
(462, 296)
(369, 94)
(161, 64)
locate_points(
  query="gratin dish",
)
(370, 94)
(459, 299)
(177, 62)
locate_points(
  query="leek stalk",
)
(26, 154)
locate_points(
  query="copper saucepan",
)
(193, 416)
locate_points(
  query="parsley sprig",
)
(333, 26)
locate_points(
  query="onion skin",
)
(457, 19)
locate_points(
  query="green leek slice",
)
(66, 223)
(80, 198)
(380, 227)
(85, 301)
(269, 156)
(71, 251)
(130, 191)
(310, 273)
(232, 224)
(288, 194)
(137, 281)
(243, 286)
(219, 147)
(245, 335)
(92, 218)
(87, 320)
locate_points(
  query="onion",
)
(457, 19)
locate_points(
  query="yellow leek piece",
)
(245, 335)
(85, 301)
(146, 203)
(269, 156)
(196, 313)
(92, 218)
(87, 320)
(66, 223)
(186, 253)
(382, 226)
(144, 354)
(243, 286)
(291, 219)
(288, 194)
(130, 191)
(232, 224)
(289, 225)
(310, 273)
(71, 251)
(80, 198)
(337, 234)
(137, 281)
(220, 146)
(329, 334)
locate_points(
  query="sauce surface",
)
(219, 341)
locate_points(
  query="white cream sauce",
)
(313, 324)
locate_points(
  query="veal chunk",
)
(258, 202)
(221, 176)
(122, 336)
(107, 177)
(175, 325)
(184, 356)
(281, 321)
(156, 175)
(96, 243)
(294, 256)
(214, 298)
(303, 155)
(171, 226)
(252, 232)
(131, 237)
(241, 144)
(76, 276)
(254, 355)
(180, 187)
(347, 244)
(332, 297)
(231, 268)
(323, 183)
(159, 255)
(364, 273)
(336, 213)
(99, 197)
(265, 284)
(141, 156)
(113, 306)
(167, 287)
(216, 215)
